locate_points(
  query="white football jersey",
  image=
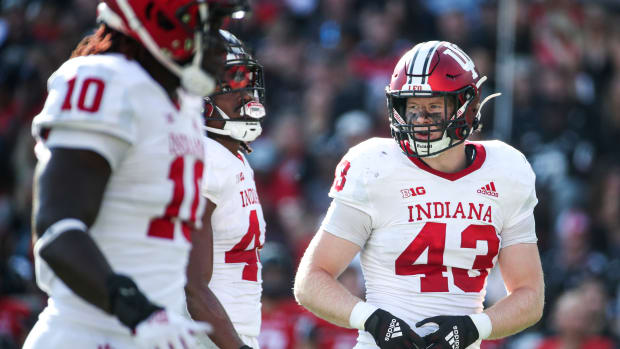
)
(238, 234)
(111, 105)
(431, 238)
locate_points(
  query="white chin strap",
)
(244, 131)
(488, 98)
(193, 79)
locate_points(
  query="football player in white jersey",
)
(233, 212)
(431, 213)
(120, 150)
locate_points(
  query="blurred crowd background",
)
(326, 65)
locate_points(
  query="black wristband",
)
(246, 347)
(127, 302)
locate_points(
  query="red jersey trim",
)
(240, 157)
(481, 155)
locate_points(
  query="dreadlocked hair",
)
(106, 39)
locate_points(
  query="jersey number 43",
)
(433, 237)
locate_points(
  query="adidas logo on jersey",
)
(453, 338)
(488, 189)
(393, 331)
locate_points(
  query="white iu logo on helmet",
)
(461, 58)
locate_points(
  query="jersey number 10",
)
(163, 227)
(94, 86)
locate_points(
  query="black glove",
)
(127, 302)
(455, 332)
(391, 332)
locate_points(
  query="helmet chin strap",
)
(219, 131)
(193, 78)
(488, 98)
(107, 16)
(236, 130)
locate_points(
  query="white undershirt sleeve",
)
(346, 222)
(522, 232)
(521, 227)
(112, 148)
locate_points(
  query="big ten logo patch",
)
(410, 192)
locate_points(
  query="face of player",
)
(232, 104)
(428, 114)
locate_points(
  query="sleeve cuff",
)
(483, 324)
(360, 313)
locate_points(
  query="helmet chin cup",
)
(430, 149)
(240, 130)
(244, 131)
(196, 81)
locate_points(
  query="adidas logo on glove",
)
(393, 331)
(453, 337)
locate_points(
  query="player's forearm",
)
(79, 263)
(203, 305)
(69, 188)
(519, 310)
(319, 292)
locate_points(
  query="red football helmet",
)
(176, 32)
(434, 69)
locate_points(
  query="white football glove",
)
(164, 329)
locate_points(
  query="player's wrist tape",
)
(360, 313)
(127, 302)
(57, 229)
(483, 324)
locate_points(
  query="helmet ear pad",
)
(209, 108)
(209, 112)
(458, 130)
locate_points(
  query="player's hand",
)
(391, 332)
(152, 325)
(455, 332)
(164, 329)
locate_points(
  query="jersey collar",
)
(225, 150)
(240, 157)
(481, 155)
